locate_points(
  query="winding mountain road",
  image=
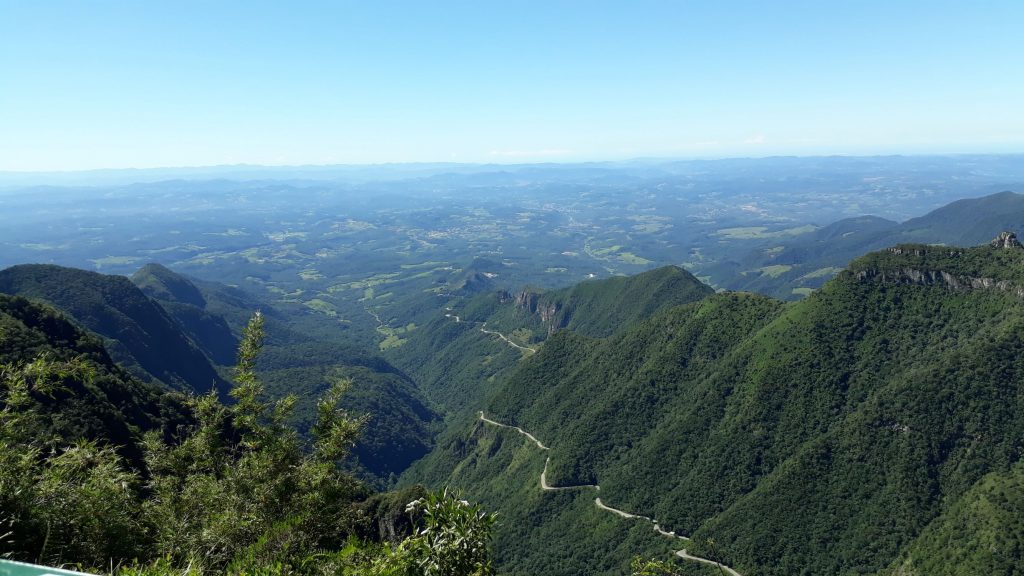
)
(687, 556)
(505, 338)
(483, 328)
(597, 501)
(545, 486)
(516, 428)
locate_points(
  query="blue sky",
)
(108, 84)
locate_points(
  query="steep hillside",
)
(303, 355)
(821, 437)
(460, 355)
(186, 303)
(138, 332)
(227, 486)
(93, 398)
(982, 533)
(601, 307)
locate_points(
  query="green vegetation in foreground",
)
(236, 492)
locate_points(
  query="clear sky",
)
(107, 84)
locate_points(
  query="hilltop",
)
(140, 334)
(789, 268)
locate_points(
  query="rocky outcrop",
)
(527, 301)
(919, 251)
(925, 277)
(909, 275)
(531, 302)
(1006, 240)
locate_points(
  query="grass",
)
(392, 336)
(822, 272)
(321, 306)
(421, 265)
(775, 270)
(752, 232)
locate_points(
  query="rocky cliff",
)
(939, 266)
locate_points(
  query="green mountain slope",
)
(303, 355)
(462, 353)
(209, 489)
(185, 302)
(139, 333)
(97, 400)
(982, 533)
(601, 307)
(820, 437)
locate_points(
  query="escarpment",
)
(954, 269)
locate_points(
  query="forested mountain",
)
(788, 267)
(303, 355)
(872, 428)
(90, 397)
(458, 357)
(138, 332)
(108, 474)
(184, 301)
(857, 431)
(599, 308)
(172, 338)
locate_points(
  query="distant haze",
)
(1006, 169)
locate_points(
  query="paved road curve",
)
(597, 501)
(483, 328)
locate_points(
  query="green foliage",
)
(238, 491)
(454, 540)
(78, 504)
(139, 333)
(69, 388)
(301, 353)
(822, 437)
(211, 498)
(981, 533)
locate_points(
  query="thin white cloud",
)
(755, 139)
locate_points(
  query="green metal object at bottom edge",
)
(11, 568)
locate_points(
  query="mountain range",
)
(845, 433)
(790, 268)
(875, 426)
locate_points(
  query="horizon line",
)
(427, 163)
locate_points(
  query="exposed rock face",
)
(530, 302)
(527, 301)
(911, 251)
(1006, 240)
(939, 278)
